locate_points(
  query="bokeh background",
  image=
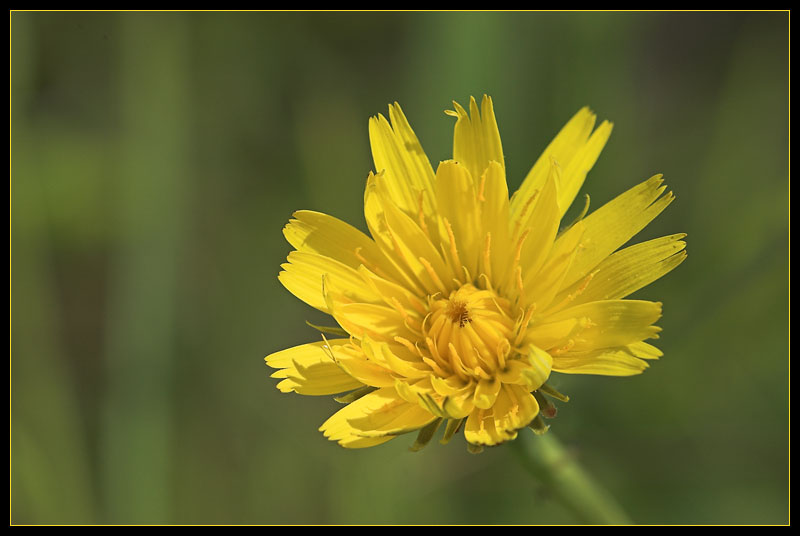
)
(155, 158)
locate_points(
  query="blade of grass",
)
(138, 423)
(49, 470)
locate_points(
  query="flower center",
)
(468, 332)
(458, 313)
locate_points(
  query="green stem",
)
(547, 460)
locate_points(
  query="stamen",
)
(438, 369)
(571, 297)
(486, 282)
(523, 324)
(399, 252)
(566, 348)
(405, 342)
(503, 349)
(520, 286)
(458, 313)
(487, 257)
(327, 349)
(481, 188)
(455, 358)
(452, 364)
(467, 277)
(399, 307)
(524, 212)
(482, 374)
(517, 256)
(453, 248)
(432, 273)
(518, 251)
(370, 266)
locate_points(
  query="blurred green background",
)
(155, 158)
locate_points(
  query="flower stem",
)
(545, 458)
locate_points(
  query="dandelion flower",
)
(463, 302)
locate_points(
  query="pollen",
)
(458, 313)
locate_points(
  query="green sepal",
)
(579, 218)
(474, 449)
(538, 426)
(452, 427)
(425, 435)
(546, 408)
(352, 396)
(549, 391)
(431, 405)
(330, 330)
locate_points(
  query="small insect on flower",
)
(462, 302)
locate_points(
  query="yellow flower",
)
(464, 302)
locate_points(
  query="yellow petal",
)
(627, 270)
(403, 241)
(579, 166)
(611, 323)
(309, 370)
(480, 428)
(398, 153)
(414, 247)
(394, 295)
(642, 350)
(476, 139)
(303, 275)
(540, 222)
(379, 322)
(374, 213)
(486, 392)
(541, 287)
(449, 385)
(460, 404)
(420, 392)
(338, 427)
(359, 442)
(605, 362)
(514, 409)
(355, 362)
(616, 222)
(575, 151)
(512, 373)
(389, 418)
(547, 334)
(493, 199)
(315, 232)
(541, 363)
(396, 358)
(457, 197)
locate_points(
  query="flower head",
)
(463, 302)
